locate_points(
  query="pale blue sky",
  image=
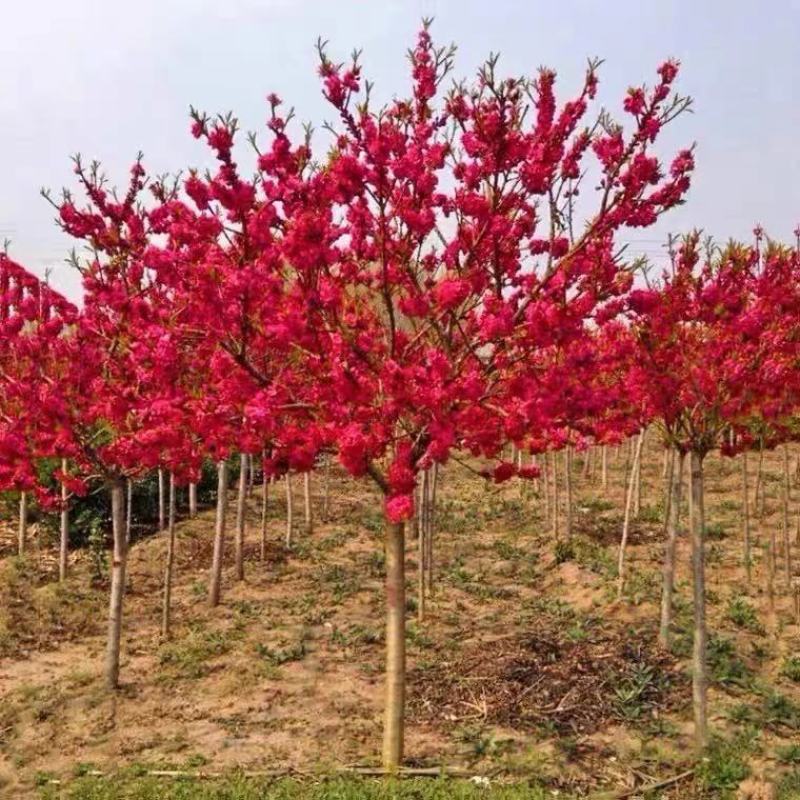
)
(108, 78)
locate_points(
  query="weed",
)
(791, 668)
(744, 615)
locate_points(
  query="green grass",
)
(131, 787)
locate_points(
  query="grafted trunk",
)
(192, 500)
(162, 503)
(307, 507)
(673, 520)
(699, 659)
(748, 560)
(215, 582)
(637, 454)
(166, 611)
(63, 548)
(22, 534)
(264, 508)
(394, 710)
(241, 508)
(117, 594)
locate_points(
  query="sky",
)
(108, 78)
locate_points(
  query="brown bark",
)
(162, 504)
(192, 500)
(215, 582)
(395, 646)
(129, 510)
(117, 593)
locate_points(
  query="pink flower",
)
(400, 508)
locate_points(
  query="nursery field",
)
(527, 676)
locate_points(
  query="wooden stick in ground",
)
(604, 468)
(166, 611)
(627, 520)
(669, 471)
(215, 582)
(192, 500)
(758, 495)
(129, 511)
(699, 658)
(546, 488)
(431, 519)
(264, 508)
(554, 483)
(162, 507)
(422, 548)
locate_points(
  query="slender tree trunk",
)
(546, 486)
(166, 611)
(129, 510)
(668, 458)
(669, 473)
(587, 462)
(699, 659)
(422, 544)
(431, 520)
(192, 500)
(673, 520)
(637, 454)
(787, 548)
(326, 487)
(162, 502)
(604, 469)
(63, 548)
(117, 594)
(215, 583)
(395, 646)
(289, 510)
(568, 489)
(251, 474)
(22, 537)
(758, 499)
(307, 507)
(637, 495)
(554, 481)
(748, 559)
(241, 509)
(264, 508)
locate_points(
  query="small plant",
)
(791, 668)
(724, 766)
(564, 551)
(744, 615)
(790, 754)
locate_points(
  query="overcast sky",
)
(107, 78)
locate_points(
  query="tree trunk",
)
(22, 537)
(215, 583)
(673, 520)
(118, 565)
(604, 470)
(264, 508)
(431, 519)
(787, 548)
(251, 474)
(637, 495)
(568, 489)
(241, 509)
(129, 511)
(162, 503)
(546, 486)
(307, 507)
(170, 560)
(669, 473)
(289, 510)
(422, 544)
(63, 548)
(699, 666)
(192, 500)
(554, 481)
(748, 560)
(758, 498)
(395, 646)
(326, 488)
(637, 454)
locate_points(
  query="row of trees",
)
(440, 276)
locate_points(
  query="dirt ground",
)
(525, 665)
